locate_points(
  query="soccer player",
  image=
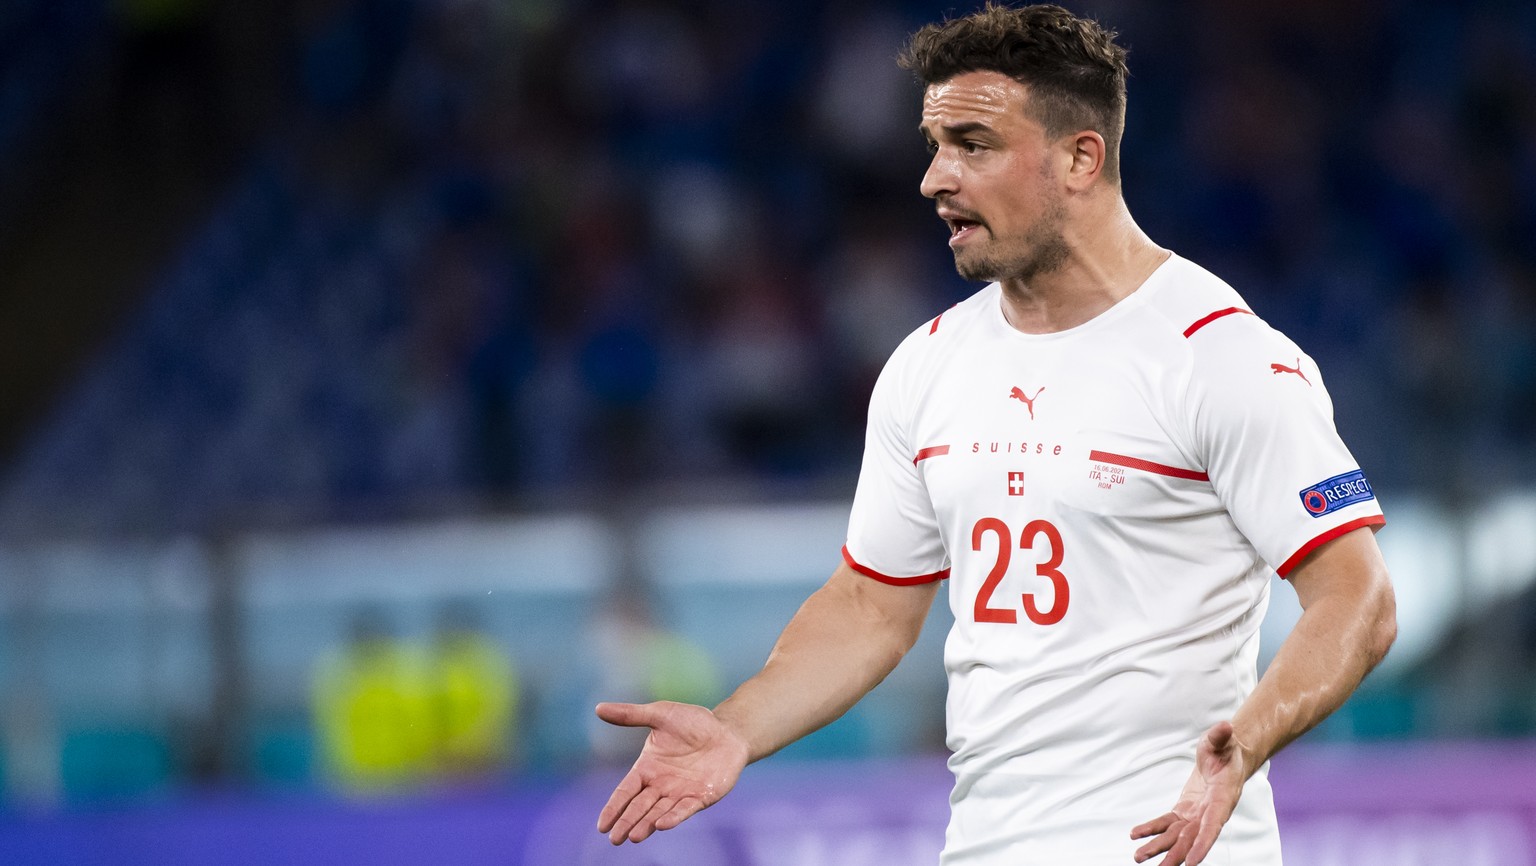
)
(1104, 452)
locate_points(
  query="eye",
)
(933, 146)
(971, 147)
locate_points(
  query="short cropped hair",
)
(1074, 70)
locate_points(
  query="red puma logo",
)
(1027, 401)
(1281, 368)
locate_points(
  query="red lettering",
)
(1050, 569)
(1001, 447)
(984, 611)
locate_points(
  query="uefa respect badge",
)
(1337, 492)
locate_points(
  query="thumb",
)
(1219, 735)
(628, 715)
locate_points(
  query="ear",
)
(1088, 152)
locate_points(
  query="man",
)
(474, 694)
(1105, 453)
(373, 710)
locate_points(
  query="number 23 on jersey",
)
(1051, 569)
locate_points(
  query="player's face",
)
(992, 178)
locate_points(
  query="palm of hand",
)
(690, 760)
(682, 758)
(1189, 831)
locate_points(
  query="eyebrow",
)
(956, 130)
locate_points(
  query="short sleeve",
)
(893, 533)
(1263, 423)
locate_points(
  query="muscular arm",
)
(842, 642)
(1348, 621)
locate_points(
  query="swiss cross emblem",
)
(1015, 484)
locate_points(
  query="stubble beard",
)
(1042, 250)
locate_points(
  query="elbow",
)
(1384, 623)
(1385, 635)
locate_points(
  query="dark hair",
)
(1073, 68)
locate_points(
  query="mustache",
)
(959, 213)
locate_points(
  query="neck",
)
(1109, 258)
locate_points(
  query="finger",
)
(1210, 828)
(647, 825)
(686, 808)
(1198, 851)
(1162, 843)
(1154, 826)
(1158, 845)
(627, 715)
(634, 813)
(1180, 848)
(1219, 735)
(626, 791)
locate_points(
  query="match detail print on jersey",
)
(1147, 466)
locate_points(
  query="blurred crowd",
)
(494, 250)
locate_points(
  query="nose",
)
(941, 178)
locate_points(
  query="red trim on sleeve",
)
(886, 578)
(1190, 331)
(1342, 529)
(1147, 466)
(933, 451)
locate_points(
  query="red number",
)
(1051, 568)
(984, 612)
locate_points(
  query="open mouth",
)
(960, 229)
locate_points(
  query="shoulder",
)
(1238, 367)
(916, 360)
(1191, 300)
(938, 336)
(1212, 323)
(1229, 365)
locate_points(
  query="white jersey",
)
(1107, 503)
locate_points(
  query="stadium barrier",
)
(1398, 805)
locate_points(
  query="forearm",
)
(842, 642)
(1340, 637)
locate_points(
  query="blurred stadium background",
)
(551, 323)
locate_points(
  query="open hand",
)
(690, 760)
(1190, 830)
